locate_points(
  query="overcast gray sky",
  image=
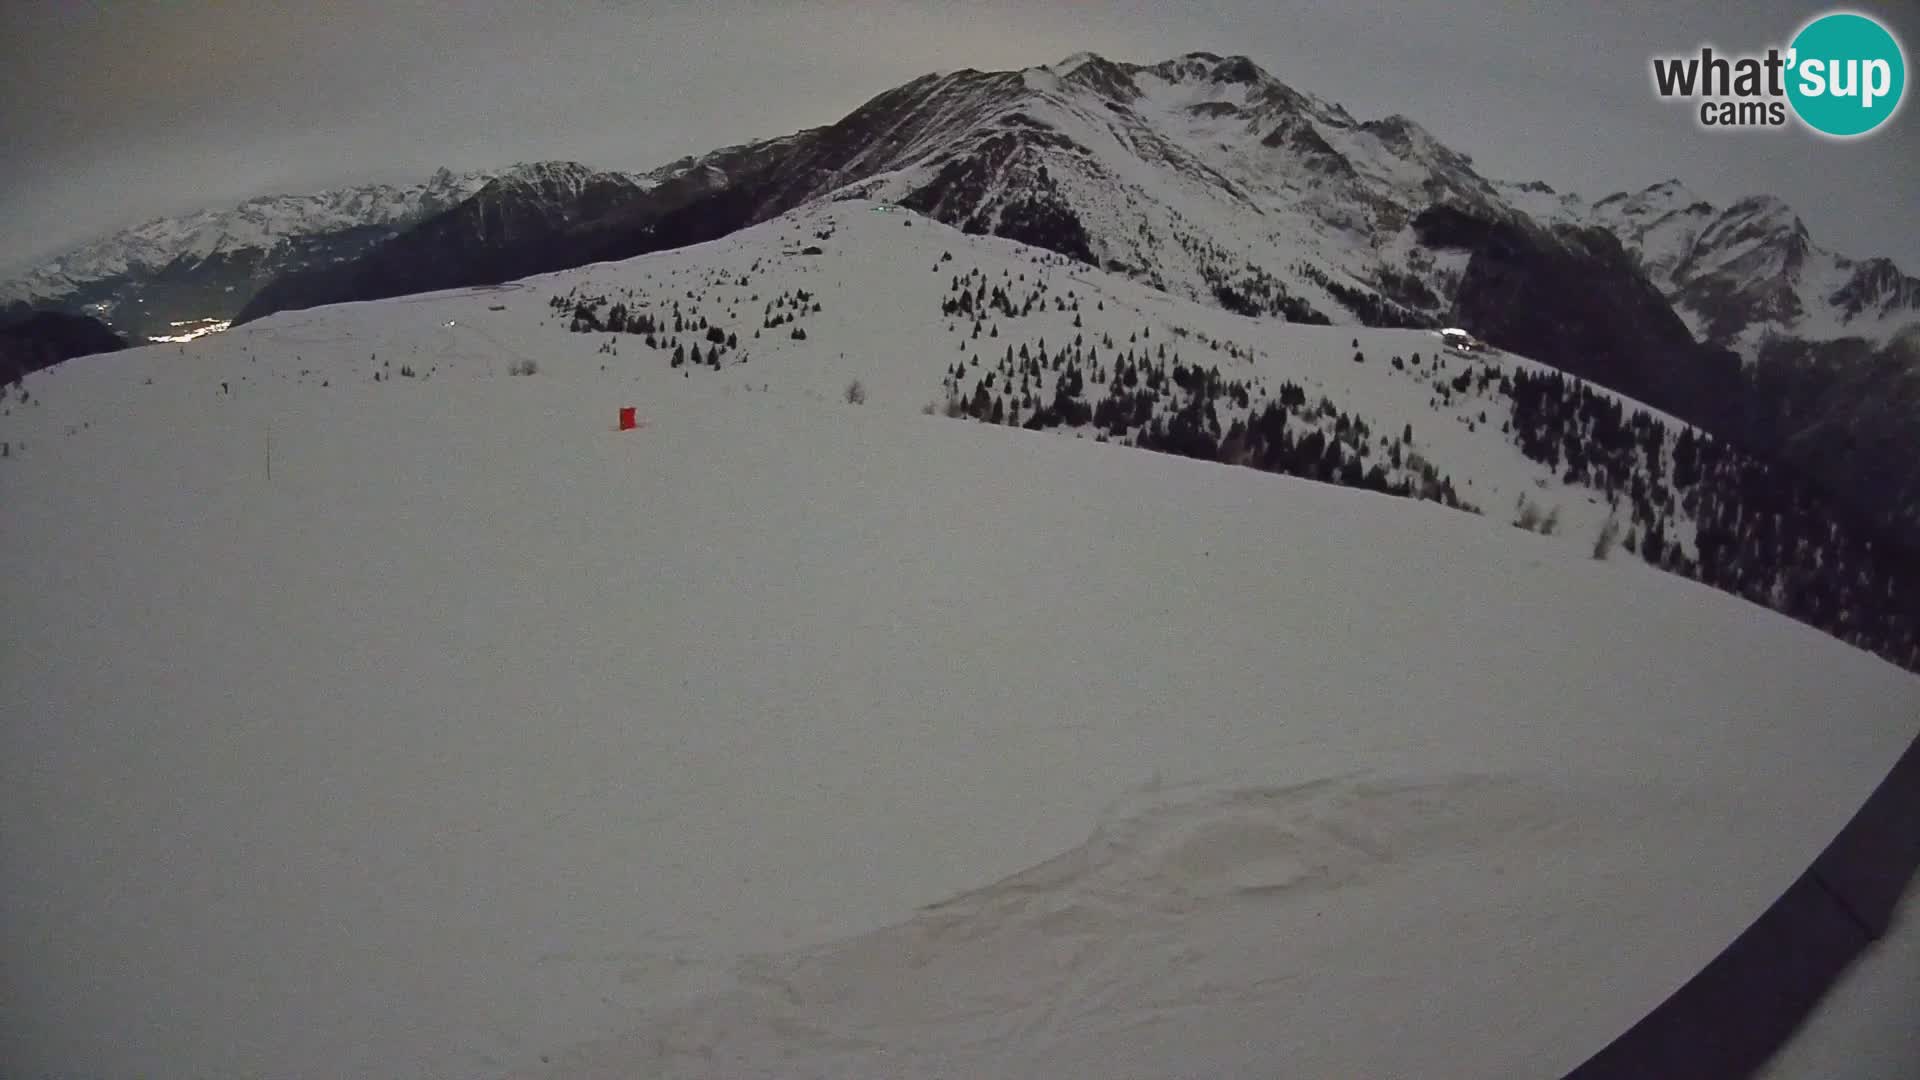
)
(111, 113)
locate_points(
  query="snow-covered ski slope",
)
(430, 726)
(879, 283)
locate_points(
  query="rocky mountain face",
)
(1580, 302)
(156, 278)
(1846, 412)
(1830, 372)
(1745, 273)
(518, 223)
(1203, 176)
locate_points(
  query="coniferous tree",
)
(982, 404)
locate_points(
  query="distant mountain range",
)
(1205, 177)
(520, 222)
(1743, 273)
(156, 278)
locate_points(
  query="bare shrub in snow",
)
(1534, 519)
(1608, 536)
(856, 393)
(523, 367)
(1529, 517)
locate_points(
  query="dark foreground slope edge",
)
(1745, 1005)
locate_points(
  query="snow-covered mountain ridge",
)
(1742, 273)
(1029, 338)
(259, 222)
(205, 252)
(1202, 175)
(788, 735)
(1211, 179)
(1830, 345)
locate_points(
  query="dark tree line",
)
(1247, 290)
(1762, 532)
(1259, 293)
(1146, 396)
(972, 296)
(1372, 308)
(678, 331)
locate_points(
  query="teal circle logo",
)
(1847, 75)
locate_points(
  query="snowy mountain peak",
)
(1745, 267)
(1544, 203)
(1878, 288)
(1201, 174)
(1201, 67)
(1409, 139)
(1101, 75)
(1070, 64)
(202, 233)
(551, 178)
(1749, 271)
(1240, 69)
(1651, 201)
(1741, 273)
(1764, 217)
(1235, 78)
